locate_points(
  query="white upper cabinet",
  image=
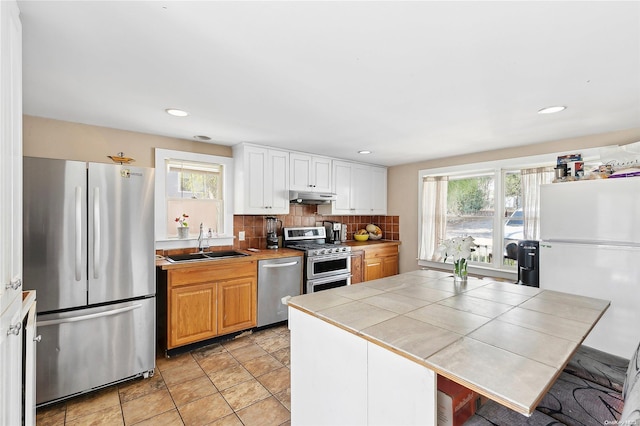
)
(361, 189)
(309, 173)
(378, 191)
(10, 214)
(261, 180)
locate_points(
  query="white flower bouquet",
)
(459, 250)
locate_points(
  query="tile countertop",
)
(261, 254)
(506, 341)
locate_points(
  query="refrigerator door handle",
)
(96, 231)
(88, 316)
(78, 236)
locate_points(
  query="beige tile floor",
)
(245, 381)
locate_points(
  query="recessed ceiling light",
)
(364, 152)
(552, 109)
(176, 112)
(202, 138)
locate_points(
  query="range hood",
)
(299, 197)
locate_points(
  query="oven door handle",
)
(324, 280)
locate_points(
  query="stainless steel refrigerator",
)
(89, 253)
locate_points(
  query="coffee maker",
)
(272, 232)
(334, 229)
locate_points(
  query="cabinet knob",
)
(37, 339)
(14, 329)
(14, 284)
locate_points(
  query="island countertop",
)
(507, 342)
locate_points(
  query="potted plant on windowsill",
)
(183, 226)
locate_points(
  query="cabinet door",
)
(321, 174)
(237, 304)
(390, 266)
(263, 176)
(378, 191)
(277, 180)
(255, 164)
(11, 364)
(343, 183)
(310, 173)
(192, 314)
(361, 189)
(373, 269)
(300, 175)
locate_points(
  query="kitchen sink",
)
(195, 257)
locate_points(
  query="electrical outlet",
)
(241, 236)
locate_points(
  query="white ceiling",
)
(410, 81)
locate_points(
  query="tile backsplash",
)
(255, 226)
(307, 215)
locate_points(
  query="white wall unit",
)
(394, 381)
(328, 373)
(361, 189)
(310, 173)
(339, 378)
(11, 364)
(261, 180)
(10, 213)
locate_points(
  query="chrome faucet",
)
(201, 240)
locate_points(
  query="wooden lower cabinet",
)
(380, 261)
(236, 304)
(192, 314)
(357, 266)
(209, 301)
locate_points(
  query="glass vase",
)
(460, 271)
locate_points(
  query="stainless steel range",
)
(326, 265)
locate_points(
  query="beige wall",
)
(44, 137)
(402, 192)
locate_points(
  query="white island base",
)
(339, 378)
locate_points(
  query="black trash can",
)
(529, 263)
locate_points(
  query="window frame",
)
(225, 237)
(498, 168)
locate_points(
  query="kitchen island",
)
(371, 353)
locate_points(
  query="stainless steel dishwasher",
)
(277, 278)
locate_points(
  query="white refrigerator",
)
(590, 232)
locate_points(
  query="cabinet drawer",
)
(211, 273)
(372, 252)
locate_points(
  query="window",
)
(198, 185)
(496, 202)
(470, 211)
(194, 189)
(513, 220)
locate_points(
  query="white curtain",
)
(531, 179)
(434, 216)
